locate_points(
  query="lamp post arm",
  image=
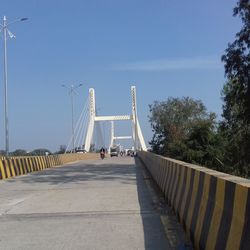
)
(17, 20)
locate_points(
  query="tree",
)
(172, 121)
(40, 151)
(19, 152)
(2, 152)
(61, 150)
(205, 146)
(236, 94)
(184, 130)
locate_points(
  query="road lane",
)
(91, 204)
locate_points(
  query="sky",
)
(165, 48)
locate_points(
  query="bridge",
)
(83, 134)
(78, 201)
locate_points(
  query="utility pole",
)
(5, 29)
(6, 119)
(72, 91)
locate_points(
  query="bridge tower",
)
(92, 116)
(114, 138)
(139, 142)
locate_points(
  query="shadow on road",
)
(76, 173)
(154, 235)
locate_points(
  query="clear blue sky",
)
(164, 47)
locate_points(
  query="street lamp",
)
(72, 91)
(4, 28)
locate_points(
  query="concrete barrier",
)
(213, 207)
(15, 166)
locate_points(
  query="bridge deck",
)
(86, 205)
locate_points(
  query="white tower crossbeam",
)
(113, 118)
(123, 137)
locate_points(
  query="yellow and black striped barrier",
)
(213, 207)
(14, 166)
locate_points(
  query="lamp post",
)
(4, 28)
(72, 91)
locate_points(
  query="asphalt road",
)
(93, 204)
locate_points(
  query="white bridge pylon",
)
(137, 136)
(114, 138)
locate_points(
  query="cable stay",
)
(80, 125)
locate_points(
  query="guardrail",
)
(15, 166)
(213, 207)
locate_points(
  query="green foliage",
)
(2, 152)
(61, 150)
(236, 92)
(237, 148)
(172, 120)
(237, 67)
(39, 151)
(235, 126)
(19, 152)
(204, 145)
(184, 130)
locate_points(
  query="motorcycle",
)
(102, 155)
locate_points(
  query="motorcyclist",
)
(102, 152)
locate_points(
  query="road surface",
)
(93, 204)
